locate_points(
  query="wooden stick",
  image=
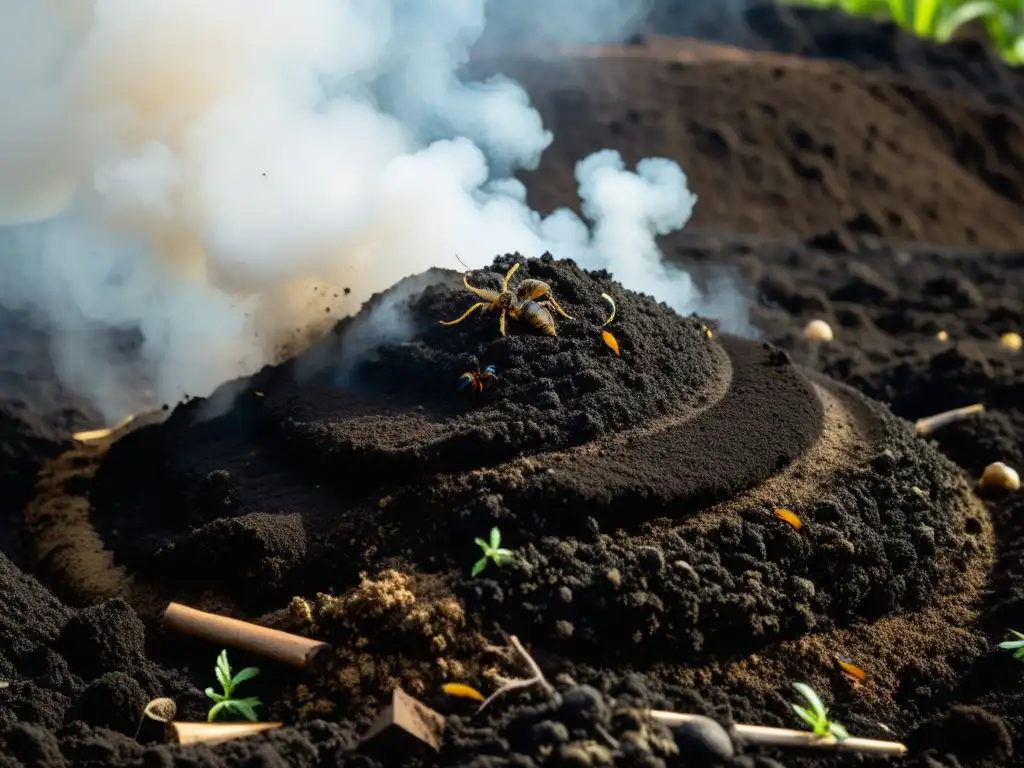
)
(784, 737)
(929, 424)
(211, 733)
(262, 641)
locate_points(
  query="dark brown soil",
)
(341, 499)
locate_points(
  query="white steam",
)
(205, 172)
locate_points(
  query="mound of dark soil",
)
(401, 411)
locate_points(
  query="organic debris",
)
(854, 673)
(930, 424)
(463, 691)
(789, 517)
(509, 684)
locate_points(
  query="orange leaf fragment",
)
(851, 670)
(462, 690)
(789, 517)
(611, 341)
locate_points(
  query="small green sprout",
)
(223, 701)
(492, 551)
(816, 716)
(1017, 646)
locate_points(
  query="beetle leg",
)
(483, 293)
(508, 276)
(554, 304)
(467, 313)
(501, 322)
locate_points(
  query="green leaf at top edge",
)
(495, 537)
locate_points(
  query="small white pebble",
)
(942, 336)
(1011, 341)
(999, 475)
(818, 330)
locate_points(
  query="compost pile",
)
(338, 495)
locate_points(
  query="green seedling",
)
(816, 715)
(492, 551)
(1017, 646)
(223, 702)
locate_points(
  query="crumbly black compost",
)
(400, 412)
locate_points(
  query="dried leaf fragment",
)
(854, 673)
(789, 517)
(462, 691)
(610, 340)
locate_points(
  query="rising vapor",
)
(203, 173)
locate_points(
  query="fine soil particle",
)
(649, 569)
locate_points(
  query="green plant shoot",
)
(223, 702)
(492, 552)
(1017, 646)
(816, 715)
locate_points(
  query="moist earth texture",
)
(699, 514)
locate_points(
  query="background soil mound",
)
(784, 149)
(967, 65)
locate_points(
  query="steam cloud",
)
(206, 172)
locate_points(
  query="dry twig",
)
(511, 684)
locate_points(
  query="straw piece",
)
(98, 434)
(784, 737)
(262, 641)
(929, 424)
(212, 733)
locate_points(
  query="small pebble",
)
(999, 475)
(818, 330)
(1011, 341)
(942, 336)
(704, 741)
